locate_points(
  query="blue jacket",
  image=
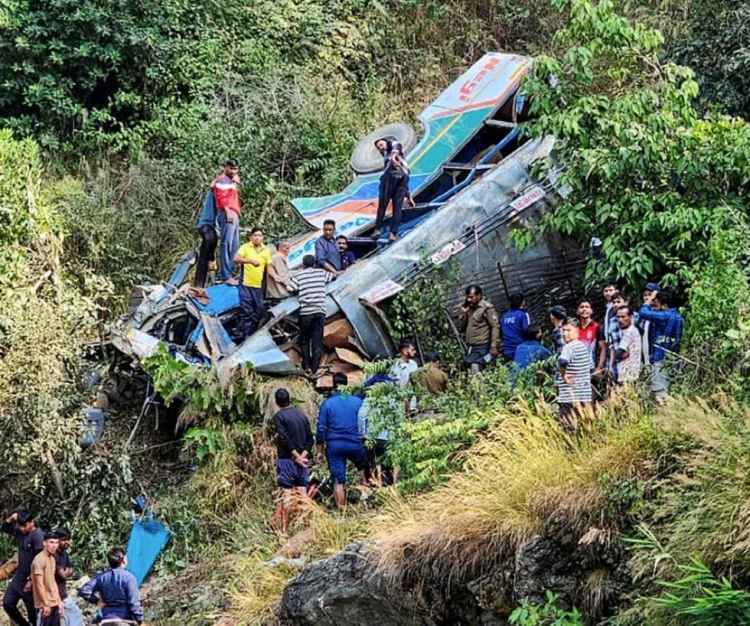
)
(118, 589)
(513, 324)
(666, 329)
(327, 251)
(208, 215)
(530, 352)
(337, 419)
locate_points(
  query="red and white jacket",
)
(226, 195)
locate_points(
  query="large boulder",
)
(585, 569)
(346, 589)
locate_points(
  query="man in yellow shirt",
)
(255, 259)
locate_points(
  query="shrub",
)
(548, 614)
(700, 599)
(525, 469)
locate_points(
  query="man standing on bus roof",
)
(227, 199)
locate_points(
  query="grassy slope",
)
(677, 475)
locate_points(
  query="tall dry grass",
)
(526, 469)
(258, 587)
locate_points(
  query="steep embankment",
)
(597, 518)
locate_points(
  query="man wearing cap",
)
(227, 199)
(479, 320)
(645, 326)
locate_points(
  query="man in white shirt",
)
(627, 352)
(405, 365)
(403, 368)
(277, 287)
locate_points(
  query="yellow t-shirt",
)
(252, 276)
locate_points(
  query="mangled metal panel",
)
(261, 351)
(450, 122)
(462, 226)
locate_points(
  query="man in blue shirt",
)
(327, 255)
(338, 434)
(207, 231)
(531, 350)
(667, 328)
(347, 256)
(117, 590)
(513, 325)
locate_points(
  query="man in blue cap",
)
(668, 327)
(645, 326)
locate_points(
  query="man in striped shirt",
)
(310, 286)
(575, 374)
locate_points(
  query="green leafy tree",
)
(716, 45)
(649, 177)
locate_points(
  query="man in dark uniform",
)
(30, 542)
(478, 318)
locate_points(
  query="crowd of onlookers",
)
(39, 576)
(591, 359)
(591, 356)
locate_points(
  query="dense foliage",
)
(44, 319)
(651, 178)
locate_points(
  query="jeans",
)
(73, 615)
(251, 309)
(205, 255)
(393, 188)
(660, 373)
(13, 595)
(230, 243)
(52, 620)
(311, 340)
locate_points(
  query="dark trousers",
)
(13, 595)
(205, 255)
(393, 188)
(311, 340)
(251, 309)
(53, 619)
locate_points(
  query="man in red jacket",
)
(228, 219)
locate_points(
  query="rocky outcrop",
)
(346, 590)
(585, 570)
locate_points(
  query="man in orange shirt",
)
(227, 199)
(47, 602)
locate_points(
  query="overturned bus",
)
(472, 184)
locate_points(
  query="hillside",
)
(115, 118)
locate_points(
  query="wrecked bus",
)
(472, 184)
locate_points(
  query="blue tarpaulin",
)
(147, 540)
